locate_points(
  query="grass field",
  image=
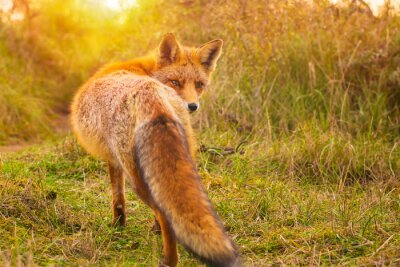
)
(305, 96)
(56, 209)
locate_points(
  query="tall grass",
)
(290, 63)
(288, 67)
(285, 63)
(312, 87)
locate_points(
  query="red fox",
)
(135, 116)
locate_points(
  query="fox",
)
(135, 116)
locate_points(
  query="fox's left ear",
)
(209, 53)
(169, 50)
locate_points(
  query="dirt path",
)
(13, 148)
(61, 126)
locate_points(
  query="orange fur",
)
(190, 66)
(134, 115)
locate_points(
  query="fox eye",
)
(199, 85)
(176, 83)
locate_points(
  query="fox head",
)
(187, 70)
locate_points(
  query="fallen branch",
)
(223, 151)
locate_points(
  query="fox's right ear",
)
(169, 50)
(209, 53)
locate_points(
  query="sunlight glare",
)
(112, 4)
(17, 16)
(119, 5)
(375, 5)
(5, 5)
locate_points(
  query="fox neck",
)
(141, 66)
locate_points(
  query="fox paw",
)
(168, 263)
(119, 221)
(156, 229)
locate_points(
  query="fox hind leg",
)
(168, 235)
(169, 240)
(118, 194)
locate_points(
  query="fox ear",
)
(209, 53)
(169, 50)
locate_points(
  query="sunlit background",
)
(11, 9)
(71, 39)
(375, 5)
(120, 5)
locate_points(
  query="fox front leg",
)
(156, 229)
(118, 194)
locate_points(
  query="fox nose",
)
(193, 107)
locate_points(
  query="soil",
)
(61, 126)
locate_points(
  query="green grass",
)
(284, 65)
(56, 208)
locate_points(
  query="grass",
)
(306, 95)
(56, 209)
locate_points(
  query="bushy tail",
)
(164, 163)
